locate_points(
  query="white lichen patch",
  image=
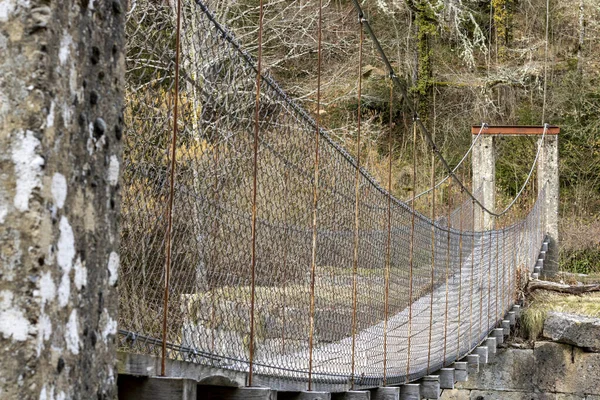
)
(47, 288)
(64, 290)
(28, 167)
(13, 324)
(113, 170)
(110, 327)
(44, 331)
(59, 189)
(113, 268)
(50, 117)
(47, 394)
(64, 50)
(72, 333)
(3, 208)
(7, 7)
(91, 141)
(80, 274)
(66, 245)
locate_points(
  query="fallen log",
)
(561, 288)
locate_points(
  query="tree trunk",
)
(561, 288)
(61, 80)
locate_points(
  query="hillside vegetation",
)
(465, 62)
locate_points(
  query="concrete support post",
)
(484, 179)
(548, 178)
(386, 393)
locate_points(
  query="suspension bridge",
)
(258, 250)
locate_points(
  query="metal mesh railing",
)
(461, 281)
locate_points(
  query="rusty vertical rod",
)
(504, 266)
(255, 192)
(213, 258)
(472, 273)
(356, 206)
(489, 294)
(481, 260)
(313, 266)
(411, 252)
(171, 195)
(432, 259)
(460, 266)
(388, 256)
(497, 270)
(516, 241)
(285, 258)
(447, 272)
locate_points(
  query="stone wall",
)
(547, 371)
(61, 96)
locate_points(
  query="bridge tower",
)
(484, 178)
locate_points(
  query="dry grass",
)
(532, 320)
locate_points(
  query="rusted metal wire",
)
(223, 315)
(448, 237)
(313, 266)
(411, 256)
(356, 207)
(169, 232)
(388, 245)
(460, 274)
(255, 193)
(433, 246)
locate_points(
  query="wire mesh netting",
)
(448, 285)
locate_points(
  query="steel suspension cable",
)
(401, 87)
(439, 183)
(537, 155)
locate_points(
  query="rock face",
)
(573, 329)
(548, 371)
(61, 80)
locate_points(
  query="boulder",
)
(573, 329)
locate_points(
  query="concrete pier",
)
(385, 393)
(410, 391)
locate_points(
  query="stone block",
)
(146, 388)
(461, 372)
(490, 343)
(352, 395)
(456, 394)
(498, 333)
(430, 387)
(410, 391)
(506, 326)
(508, 395)
(385, 393)
(513, 370)
(473, 362)
(229, 393)
(573, 329)
(482, 352)
(447, 378)
(566, 369)
(517, 310)
(312, 395)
